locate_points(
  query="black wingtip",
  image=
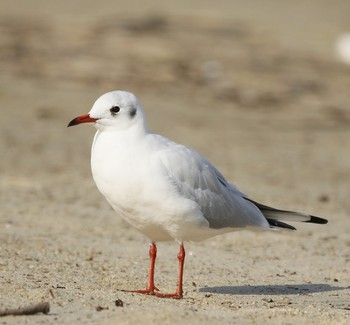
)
(279, 224)
(318, 220)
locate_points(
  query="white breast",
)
(128, 173)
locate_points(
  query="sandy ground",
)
(257, 90)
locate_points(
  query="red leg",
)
(151, 288)
(178, 294)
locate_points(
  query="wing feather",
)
(220, 202)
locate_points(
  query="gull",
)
(166, 190)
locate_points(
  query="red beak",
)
(82, 119)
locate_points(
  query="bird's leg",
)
(152, 255)
(151, 288)
(181, 257)
(178, 294)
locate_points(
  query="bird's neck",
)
(123, 137)
(124, 129)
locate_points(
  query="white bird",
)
(165, 190)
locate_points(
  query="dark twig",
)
(42, 307)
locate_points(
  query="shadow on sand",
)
(292, 289)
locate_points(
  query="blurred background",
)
(263, 91)
(261, 88)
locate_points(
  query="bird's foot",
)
(175, 295)
(149, 291)
(143, 292)
(153, 292)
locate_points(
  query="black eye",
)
(114, 110)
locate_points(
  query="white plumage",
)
(166, 190)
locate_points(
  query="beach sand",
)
(258, 90)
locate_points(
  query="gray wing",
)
(221, 203)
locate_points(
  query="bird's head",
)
(117, 110)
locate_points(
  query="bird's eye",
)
(114, 110)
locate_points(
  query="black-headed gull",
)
(165, 190)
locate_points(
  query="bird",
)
(167, 191)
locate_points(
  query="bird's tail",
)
(274, 216)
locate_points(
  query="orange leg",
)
(151, 288)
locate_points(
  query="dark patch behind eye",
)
(133, 112)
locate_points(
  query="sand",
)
(257, 89)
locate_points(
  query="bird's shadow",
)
(290, 289)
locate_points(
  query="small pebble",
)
(119, 303)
